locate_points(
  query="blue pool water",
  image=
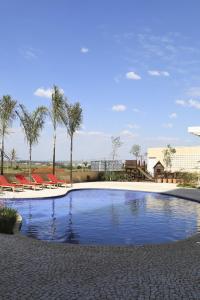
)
(109, 217)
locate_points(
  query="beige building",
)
(185, 159)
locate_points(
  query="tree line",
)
(60, 112)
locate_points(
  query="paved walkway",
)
(31, 269)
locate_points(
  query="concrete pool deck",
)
(166, 188)
(32, 269)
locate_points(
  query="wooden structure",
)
(158, 169)
(136, 170)
(130, 164)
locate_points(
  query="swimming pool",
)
(114, 217)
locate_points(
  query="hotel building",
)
(186, 159)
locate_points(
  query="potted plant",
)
(159, 180)
(8, 218)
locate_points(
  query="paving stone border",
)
(32, 269)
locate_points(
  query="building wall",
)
(185, 159)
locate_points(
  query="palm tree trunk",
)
(30, 158)
(54, 150)
(71, 152)
(2, 153)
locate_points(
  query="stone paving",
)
(32, 269)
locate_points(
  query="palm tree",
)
(72, 119)
(7, 115)
(13, 156)
(55, 114)
(32, 124)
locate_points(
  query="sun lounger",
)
(4, 184)
(39, 179)
(57, 181)
(27, 183)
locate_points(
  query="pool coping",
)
(108, 188)
(133, 186)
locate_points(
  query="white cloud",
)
(189, 103)
(96, 133)
(84, 50)
(194, 103)
(165, 73)
(194, 91)
(136, 110)
(92, 133)
(154, 73)
(117, 78)
(167, 125)
(158, 73)
(133, 126)
(128, 133)
(173, 115)
(181, 102)
(163, 139)
(132, 76)
(45, 93)
(29, 53)
(119, 107)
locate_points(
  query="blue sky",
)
(133, 65)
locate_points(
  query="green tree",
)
(135, 150)
(167, 156)
(7, 115)
(72, 118)
(116, 144)
(55, 111)
(32, 124)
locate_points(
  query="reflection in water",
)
(135, 201)
(32, 228)
(53, 223)
(71, 236)
(159, 204)
(109, 217)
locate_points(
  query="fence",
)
(107, 165)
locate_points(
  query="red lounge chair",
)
(26, 183)
(13, 186)
(57, 181)
(39, 179)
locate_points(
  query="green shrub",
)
(113, 176)
(8, 217)
(188, 179)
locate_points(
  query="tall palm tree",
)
(32, 124)
(55, 114)
(13, 156)
(7, 115)
(72, 118)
